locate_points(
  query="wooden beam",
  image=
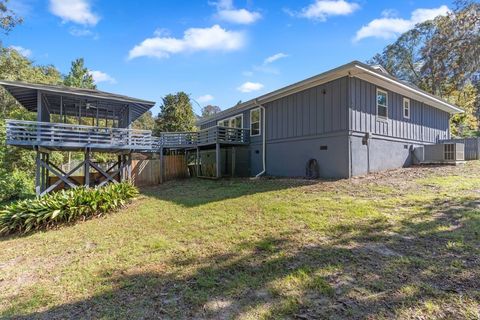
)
(58, 174)
(108, 177)
(66, 175)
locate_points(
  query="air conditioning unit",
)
(440, 153)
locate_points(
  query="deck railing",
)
(59, 135)
(21, 132)
(203, 137)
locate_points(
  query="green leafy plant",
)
(64, 207)
(15, 185)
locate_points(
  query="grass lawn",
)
(401, 244)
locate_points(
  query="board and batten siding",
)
(426, 123)
(316, 111)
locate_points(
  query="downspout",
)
(264, 139)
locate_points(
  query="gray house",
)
(349, 121)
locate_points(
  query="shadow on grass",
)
(197, 192)
(372, 272)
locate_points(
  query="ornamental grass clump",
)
(65, 206)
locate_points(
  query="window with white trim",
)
(233, 122)
(382, 104)
(255, 127)
(406, 108)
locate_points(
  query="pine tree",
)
(79, 77)
(176, 114)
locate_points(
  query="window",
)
(382, 104)
(233, 122)
(255, 122)
(406, 108)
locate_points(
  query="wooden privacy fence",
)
(148, 172)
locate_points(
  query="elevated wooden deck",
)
(59, 136)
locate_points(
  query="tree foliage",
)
(144, 122)
(176, 114)
(8, 18)
(442, 57)
(14, 66)
(79, 76)
(210, 110)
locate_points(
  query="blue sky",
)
(219, 52)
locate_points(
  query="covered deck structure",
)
(82, 120)
(87, 121)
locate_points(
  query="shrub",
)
(15, 185)
(63, 207)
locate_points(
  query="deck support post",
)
(42, 172)
(86, 170)
(197, 162)
(129, 166)
(217, 161)
(38, 189)
(233, 161)
(120, 173)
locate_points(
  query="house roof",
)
(353, 69)
(26, 94)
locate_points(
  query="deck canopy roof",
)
(76, 101)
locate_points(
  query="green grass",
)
(404, 244)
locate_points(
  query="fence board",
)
(175, 167)
(147, 172)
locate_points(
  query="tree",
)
(442, 57)
(210, 110)
(144, 122)
(8, 18)
(176, 114)
(14, 66)
(79, 76)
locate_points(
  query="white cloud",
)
(275, 57)
(205, 98)
(389, 26)
(100, 76)
(240, 16)
(227, 12)
(322, 9)
(23, 51)
(80, 32)
(77, 11)
(214, 38)
(250, 87)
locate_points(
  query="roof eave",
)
(422, 96)
(351, 69)
(72, 92)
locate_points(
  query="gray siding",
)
(312, 112)
(426, 124)
(380, 154)
(288, 158)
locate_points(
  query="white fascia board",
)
(403, 89)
